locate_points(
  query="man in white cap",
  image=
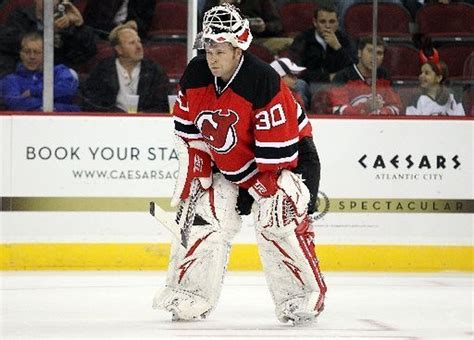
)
(289, 72)
(243, 144)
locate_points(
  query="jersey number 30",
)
(271, 118)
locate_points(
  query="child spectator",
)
(289, 72)
(352, 94)
(435, 98)
(23, 89)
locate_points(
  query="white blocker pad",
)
(285, 248)
(195, 274)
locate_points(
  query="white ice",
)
(117, 305)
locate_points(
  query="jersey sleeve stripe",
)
(299, 111)
(188, 135)
(182, 121)
(291, 142)
(394, 109)
(242, 174)
(275, 155)
(302, 117)
(339, 109)
(248, 165)
(183, 129)
(302, 122)
(278, 160)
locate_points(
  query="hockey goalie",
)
(244, 146)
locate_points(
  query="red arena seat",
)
(393, 21)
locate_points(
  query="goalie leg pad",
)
(195, 274)
(287, 252)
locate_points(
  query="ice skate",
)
(184, 306)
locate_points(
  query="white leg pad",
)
(287, 253)
(195, 274)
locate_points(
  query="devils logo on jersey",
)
(217, 128)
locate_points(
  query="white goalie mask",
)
(224, 24)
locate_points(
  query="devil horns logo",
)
(217, 128)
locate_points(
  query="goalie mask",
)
(224, 24)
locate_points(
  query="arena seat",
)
(169, 22)
(8, 6)
(402, 61)
(455, 55)
(262, 52)
(297, 17)
(447, 22)
(393, 21)
(172, 56)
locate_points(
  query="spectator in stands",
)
(105, 15)
(289, 72)
(23, 89)
(74, 42)
(435, 98)
(119, 81)
(265, 21)
(323, 49)
(352, 94)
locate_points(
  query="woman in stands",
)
(435, 99)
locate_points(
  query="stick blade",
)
(164, 219)
(152, 208)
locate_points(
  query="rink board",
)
(395, 194)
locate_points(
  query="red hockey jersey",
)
(354, 93)
(251, 124)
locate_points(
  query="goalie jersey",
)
(251, 124)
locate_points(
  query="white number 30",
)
(272, 118)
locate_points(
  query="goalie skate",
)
(300, 310)
(183, 305)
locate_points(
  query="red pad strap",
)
(305, 239)
(199, 166)
(265, 184)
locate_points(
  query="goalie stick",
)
(163, 218)
(184, 217)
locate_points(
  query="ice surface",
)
(117, 305)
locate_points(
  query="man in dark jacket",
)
(74, 42)
(323, 50)
(127, 82)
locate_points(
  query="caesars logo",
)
(410, 167)
(409, 162)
